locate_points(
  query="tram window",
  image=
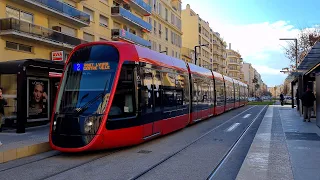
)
(169, 90)
(146, 91)
(182, 89)
(220, 94)
(124, 98)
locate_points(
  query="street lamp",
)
(296, 43)
(195, 52)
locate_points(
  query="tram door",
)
(148, 92)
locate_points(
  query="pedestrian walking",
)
(308, 99)
(3, 102)
(281, 99)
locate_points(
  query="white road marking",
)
(246, 116)
(233, 127)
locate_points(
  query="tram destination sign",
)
(91, 66)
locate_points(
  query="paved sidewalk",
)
(284, 147)
(15, 146)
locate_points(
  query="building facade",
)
(234, 64)
(167, 27)
(51, 29)
(197, 32)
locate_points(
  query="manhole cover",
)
(144, 152)
(302, 136)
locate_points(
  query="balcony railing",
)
(9, 25)
(62, 8)
(144, 6)
(126, 35)
(119, 11)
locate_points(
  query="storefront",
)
(30, 87)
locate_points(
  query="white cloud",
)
(265, 70)
(258, 43)
(257, 40)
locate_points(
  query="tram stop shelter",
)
(308, 76)
(30, 87)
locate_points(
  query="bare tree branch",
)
(306, 39)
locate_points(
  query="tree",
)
(306, 39)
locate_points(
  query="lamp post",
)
(296, 44)
(195, 52)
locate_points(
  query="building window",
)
(68, 30)
(103, 21)
(155, 26)
(20, 47)
(172, 53)
(159, 47)
(167, 50)
(166, 34)
(90, 12)
(18, 14)
(88, 37)
(160, 30)
(166, 15)
(159, 8)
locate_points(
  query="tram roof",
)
(146, 54)
(217, 75)
(199, 70)
(227, 78)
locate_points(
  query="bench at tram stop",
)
(15, 145)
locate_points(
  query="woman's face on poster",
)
(38, 92)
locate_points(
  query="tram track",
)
(235, 144)
(61, 157)
(194, 141)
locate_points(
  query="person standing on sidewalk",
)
(3, 102)
(308, 99)
(281, 99)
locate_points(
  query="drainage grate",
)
(302, 136)
(144, 152)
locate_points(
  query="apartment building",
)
(210, 46)
(51, 29)
(187, 55)
(219, 53)
(167, 27)
(234, 64)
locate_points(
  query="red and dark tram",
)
(115, 94)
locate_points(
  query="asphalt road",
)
(192, 153)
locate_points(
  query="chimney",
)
(230, 46)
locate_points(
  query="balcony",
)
(141, 6)
(121, 34)
(59, 10)
(12, 27)
(127, 17)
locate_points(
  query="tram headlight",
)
(54, 126)
(91, 124)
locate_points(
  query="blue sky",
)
(254, 27)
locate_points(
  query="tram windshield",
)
(88, 80)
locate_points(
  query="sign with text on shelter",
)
(57, 56)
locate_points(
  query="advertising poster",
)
(38, 100)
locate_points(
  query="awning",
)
(312, 58)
